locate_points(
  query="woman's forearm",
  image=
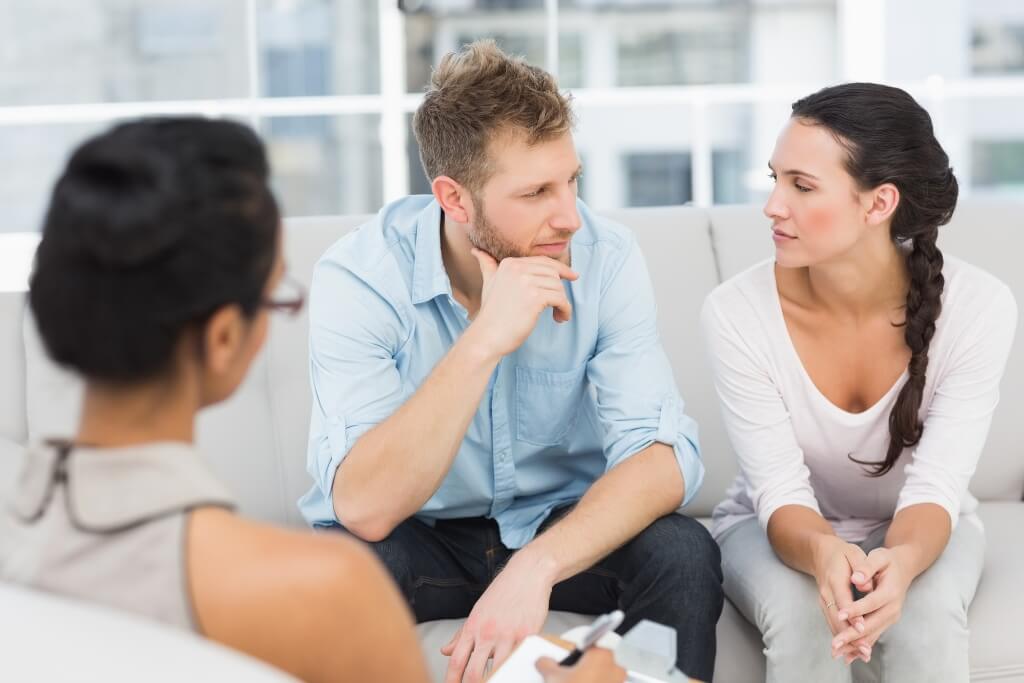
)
(798, 535)
(918, 535)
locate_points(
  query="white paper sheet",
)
(521, 666)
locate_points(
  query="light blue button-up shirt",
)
(573, 401)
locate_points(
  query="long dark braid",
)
(924, 303)
(889, 139)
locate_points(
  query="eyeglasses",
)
(288, 297)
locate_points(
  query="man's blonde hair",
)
(475, 95)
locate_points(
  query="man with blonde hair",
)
(504, 462)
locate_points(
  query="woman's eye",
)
(535, 193)
(801, 188)
(773, 176)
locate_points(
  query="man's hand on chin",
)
(514, 606)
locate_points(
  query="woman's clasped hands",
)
(878, 576)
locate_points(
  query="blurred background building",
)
(678, 100)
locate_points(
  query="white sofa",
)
(257, 440)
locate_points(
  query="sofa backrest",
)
(12, 367)
(257, 440)
(288, 354)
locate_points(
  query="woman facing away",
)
(858, 372)
(159, 263)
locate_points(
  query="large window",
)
(97, 51)
(678, 100)
(998, 165)
(658, 178)
(691, 53)
(318, 47)
(997, 48)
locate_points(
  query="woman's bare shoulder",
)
(236, 550)
(291, 597)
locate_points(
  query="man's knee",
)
(677, 563)
(676, 544)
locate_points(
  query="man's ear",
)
(883, 202)
(222, 339)
(453, 198)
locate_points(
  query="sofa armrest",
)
(50, 638)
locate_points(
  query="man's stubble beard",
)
(485, 236)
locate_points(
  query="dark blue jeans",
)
(669, 573)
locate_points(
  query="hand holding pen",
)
(606, 623)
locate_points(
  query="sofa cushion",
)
(739, 658)
(433, 635)
(996, 653)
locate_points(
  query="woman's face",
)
(816, 208)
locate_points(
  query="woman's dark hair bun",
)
(121, 197)
(152, 225)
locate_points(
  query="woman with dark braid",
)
(858, 372)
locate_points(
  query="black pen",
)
(602, 625)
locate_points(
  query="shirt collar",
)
(109, 489)
(429, 277)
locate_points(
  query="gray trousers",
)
(928, 643)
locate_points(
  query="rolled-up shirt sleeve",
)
(354, 336)
(957, 420)
(638, 402)
(755, 415)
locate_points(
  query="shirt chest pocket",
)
(547, 404)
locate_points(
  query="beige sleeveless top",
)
(109, 525)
